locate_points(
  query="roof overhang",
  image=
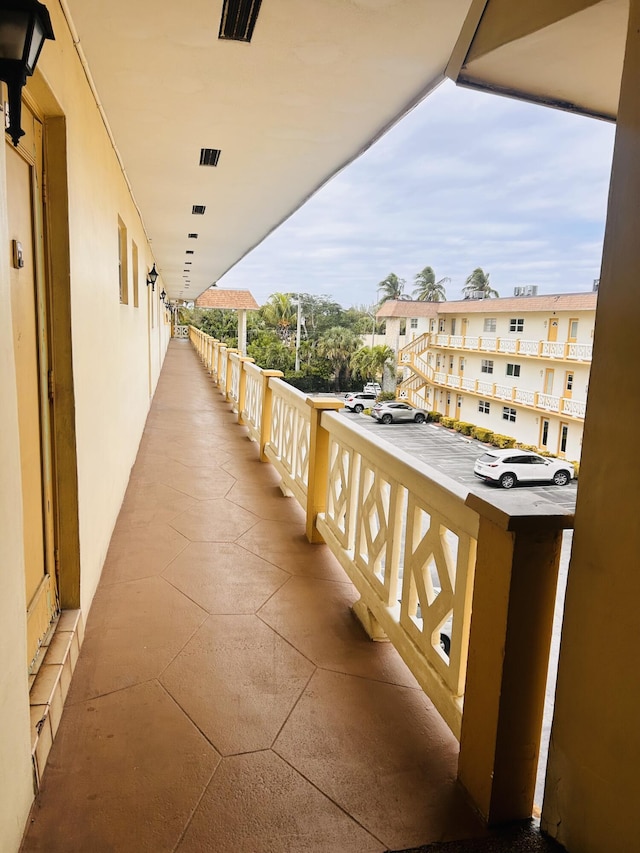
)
(561, 53)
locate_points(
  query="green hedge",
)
(502, 441)
(463, 427)
(482, 434)
(436, 417)
(448, 422)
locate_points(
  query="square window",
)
(486, 365)
(508, 414)
(484, 406)
(489, 324)
(513, 370)
(516, 325)
(414, 322)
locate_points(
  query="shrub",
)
(448, 422)
(522, 446)
(463, 427)
(482, 434)
(386, 395)
(436, 417)
(576, 468)
(502, 441)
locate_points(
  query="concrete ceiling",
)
(320, 80)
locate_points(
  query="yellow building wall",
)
(16, 786)
(116, 363)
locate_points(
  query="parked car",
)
(359, 400)
(372, 388)
(397, 411)
(509, 467)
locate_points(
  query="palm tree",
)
(478, 282)
(391, 287)
(337, 345)
(427, 288)
(280, 314)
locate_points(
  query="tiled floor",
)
(225, 698)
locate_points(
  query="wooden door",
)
(31, 352)
(552, 334)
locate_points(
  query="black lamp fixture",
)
(163, 294)
(152, 277)
(24, 25)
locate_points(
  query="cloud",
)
(467, 179)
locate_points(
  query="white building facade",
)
(518, 366)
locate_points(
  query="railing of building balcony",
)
(558, 350)
(565, 406)
(423, 554)
(180, 331)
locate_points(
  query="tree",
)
(427, 288)
(280, 314)
(337, 345)
(391, 288)
(370, 362)
(478, 282)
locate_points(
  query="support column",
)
(591, 796)
(514, 595)
(318, 464)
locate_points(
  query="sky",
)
(465, 180)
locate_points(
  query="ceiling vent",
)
(193, 236)
(198, 209)
(209, 156)
(238, 19)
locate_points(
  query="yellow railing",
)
(424, 555)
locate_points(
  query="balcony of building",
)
(226, 696)
(572, 351)
(414, 356)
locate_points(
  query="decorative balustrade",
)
(524, 397)
(503, 392)
(422, 553)
(558, 350)
(180, 331)
(548, 402)
(408, 543)
(573, 408)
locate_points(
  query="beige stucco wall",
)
(115, 366)
(111, 352)
(16, 787)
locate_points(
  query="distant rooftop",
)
(508, 304)
(214, 297)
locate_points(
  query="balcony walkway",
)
(225, 698)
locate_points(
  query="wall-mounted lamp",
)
(152, 277)
(163, 294)
(24, 25)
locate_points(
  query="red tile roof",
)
(508, 304)
(214, 297)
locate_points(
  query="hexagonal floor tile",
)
(316, 617)
(148, 503)
(384, 754)
(224, 578)
(214, 521)
(280, 813)
(238, 681)
(265, 501)
(133, 631)
(125, 773)
(140, 552)
(284, 544)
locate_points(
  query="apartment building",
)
(518, 366)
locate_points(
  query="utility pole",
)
(298, 329)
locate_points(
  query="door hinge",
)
(50, 385)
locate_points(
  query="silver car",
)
(397, 411)
(508, 467)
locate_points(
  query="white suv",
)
(508, 467)
(359, 401)
(372, 388)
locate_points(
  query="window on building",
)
(569, 382)
(403, 327)
(134, 273)
(508, 414)
(516, 325)
(453, 325)
(564, 435)
(414, 322)
(544, 433)
(513, 370)
(461, 365)
(486, 366)
(123, 272)
(489, 324)
(451, 361)
(484, 406)
(442, 325)
(573, 331)
(432, 325)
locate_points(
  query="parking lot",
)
(454, 454)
